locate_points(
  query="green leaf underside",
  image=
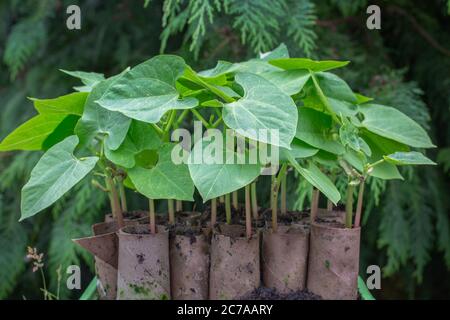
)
(56, 173)
(216, 178)
(299, 149)
(408, 158)
(72, 103)
(319, 180)
(308, 64)
(97, 120)
(381, 146)
(89, 79)
(148, 90)
(314, 129)
(263, 106)
(141, 136)
(392, 124)
(334, 87)
(32, 134)
(290, 81)
(166, 180)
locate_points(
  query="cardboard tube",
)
(333, 261)
(235, 269)
(143, 269)
(189, 267)
(284, 258)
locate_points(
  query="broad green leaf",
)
(72, 103)
(314, 128)
(141, 136)
(381, 146)
(166, 180)
(343, 108)
(362, 99)
(99, 121)
(392, 124)
(334, 87)
(408, 158)
(349, 135)
(148, 90)
(33, 134)
(279, 52)
(290, 81)
(255, 66)
(89, 79)
(213, 176)
(56, 173)
(308, 64)
(263, 106)
(314, 176)
(299, 149)
(326, 159)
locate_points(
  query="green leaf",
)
(72, 103)
(334, 87)
(381, 146)
(141, 136)
(166, 180)
(56, 173)
(342, 107)
(148, 90)
(299, 149)
(290, 81)
(392, 124)
(308, 64)
(99, 121)
(255, 66)
(263, 106)
(314, 128)
(213, 176)
(279, 52)
(408, 158)
(319, 180)
(89, 79)
(32, 134)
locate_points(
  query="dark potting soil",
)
(286, 219)
(237, 216)
(263, 293)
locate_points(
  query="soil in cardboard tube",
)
(263, 293)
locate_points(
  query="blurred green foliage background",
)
(406, 64)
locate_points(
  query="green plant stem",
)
(221, 199)
(275, 189)
(123, 198)
(234, 197)
(178, 206)
(44, 283)
(171, 210)
(213, 212)
(359, 205)
(151, 207)
(272, 185)
(158, 129)
(314, 204)
(248, 212)
(218, 121)
(200, 117)
(215, 90)
(283, 195)
(114, 199)
(172, 116)
(254, 201)
(349, 207)
(182, 116)
(228, 208)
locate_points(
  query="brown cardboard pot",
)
(143, 269)
(189, 266)
(284, 257)
(333, 261)
(235, 269)
(331, 216)
(103, 245)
